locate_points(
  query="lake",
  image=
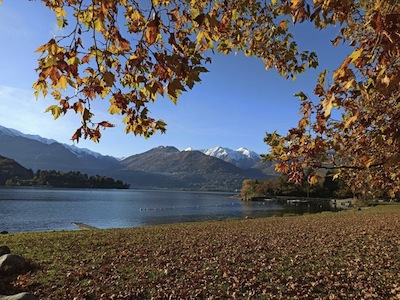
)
(41, 209)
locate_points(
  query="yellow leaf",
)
(56, 95)
(54, 49)
(62, 82)
(137, 16)
(98, 25)
(350, 121)
(350, 84)
(295, 3)
(42, 48)
(385, 80)
(61, 23)
(355, 55)
(327, 104)
(369, 162)
(114, 109)
(60, 12)
(73, 61)
(313, 180)
(50, 61)
(40, 86)
(55, 111)
(339, 73)
(283, 25)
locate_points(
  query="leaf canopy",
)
(131, 53)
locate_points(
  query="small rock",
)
(4, 250)
(20, 296)
(12, 264)
(4, 232)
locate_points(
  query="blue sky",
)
(233, 106)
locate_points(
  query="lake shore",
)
(345, 255)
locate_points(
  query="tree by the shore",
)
(164, 47)
(72, 179)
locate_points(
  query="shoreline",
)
(318, 256)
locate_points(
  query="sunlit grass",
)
(346, 255)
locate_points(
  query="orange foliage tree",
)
(131, 53)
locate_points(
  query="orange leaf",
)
(152, 32)
(106, 124)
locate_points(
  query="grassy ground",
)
(346, 255)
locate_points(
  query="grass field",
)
(346, 255)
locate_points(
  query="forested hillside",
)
(9, 168)
(13, 174)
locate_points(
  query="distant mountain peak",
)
(36, 152)
(245, 151)
(242, 157)
(14, 132)
(80, 152)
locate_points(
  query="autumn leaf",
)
(350, 121)
(98, 24)
(199, 19)
(296, 3)
(125, 45)
(73, 61)
(113, 109)
(174, 89)
(56, 95)
(355, 55)
(78, 107)
(152, 32)
(301, 96)
(166, 53)
(283, 25)
(106, 124)
(55, 111)
(313, 180)
(62, 82)
(77, 135)
(109, 78)
(42, 48)
(86, 115)
(327, 105)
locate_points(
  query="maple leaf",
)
(55, 111)
(152, 32)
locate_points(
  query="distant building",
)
(341, 203)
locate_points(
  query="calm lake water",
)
(39, 209)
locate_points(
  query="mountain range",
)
(162, 167)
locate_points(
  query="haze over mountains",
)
(162, 167)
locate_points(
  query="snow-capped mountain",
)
(217, 168)
(14, 132)
(80, 152)
(35, 152)
(242, 157)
